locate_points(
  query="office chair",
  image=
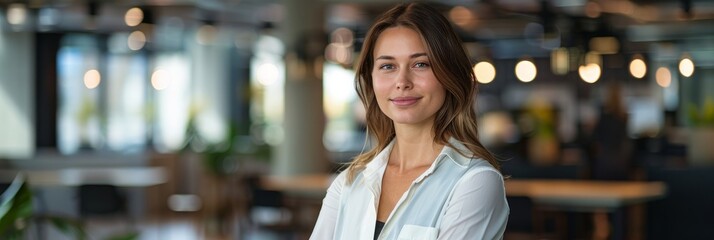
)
(100, 200)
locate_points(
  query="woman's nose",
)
(404, 81)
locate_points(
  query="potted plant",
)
(701, 133)
(17, 216)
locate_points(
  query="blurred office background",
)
(162, 119)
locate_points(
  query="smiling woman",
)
(428, 176)
(404, 84)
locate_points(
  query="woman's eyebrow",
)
(387, 57)
(416, 55)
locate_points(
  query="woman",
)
(428, 176)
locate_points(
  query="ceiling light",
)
(136, 40)
(526, 71)
(663, 77)
(133, 17)
(16, 14)
(485, 72)
(462, 16)
(160, 79)
(590, 73)
(92, 78)
(686, 66)
(638, 68)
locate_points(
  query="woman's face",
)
(404, 84)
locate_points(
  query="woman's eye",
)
(421, 65)
(386, 66)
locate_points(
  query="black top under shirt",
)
(378, 229)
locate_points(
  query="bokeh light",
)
(133, 17)
(160, 79)
(136, 40)
(462, 16)
(686, 67)
(206, 34)
(590, 73)
(560, 61)
(16, 14)
(663, 77)
(526, 71)
(267, 74)
(485, 72)
(638, 68)
(92, 78)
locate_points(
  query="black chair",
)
(100, 200)
(269, 210)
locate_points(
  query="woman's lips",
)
(405, 101)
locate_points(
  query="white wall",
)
(17, 134)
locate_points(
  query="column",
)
(302, 151)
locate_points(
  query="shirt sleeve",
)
(478, 208)
(326, 220)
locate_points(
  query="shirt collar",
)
(448, 153)
(455, 153)
(379, 163)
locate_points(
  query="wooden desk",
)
(585, 194)
(314, 185)
(117, 176)
(565, 193)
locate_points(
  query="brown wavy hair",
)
(451, 66)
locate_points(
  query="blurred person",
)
(427, 176)
(610, 158)
(610, 155)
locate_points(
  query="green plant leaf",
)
(68, 226)
(701, 116)
(126, 236)
(16, 206)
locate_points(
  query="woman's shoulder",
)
(465, 157)
(343, 177)
(480, 168)
(340, 178)
(482, 177)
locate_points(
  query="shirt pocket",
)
(414, 232)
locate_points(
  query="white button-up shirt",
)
(458, 197)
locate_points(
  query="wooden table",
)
(566, 193)
(586, 195)
(597, 197)
(306, 184)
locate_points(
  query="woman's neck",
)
(414, 149)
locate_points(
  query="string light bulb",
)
(638, 68)
(686, 66)
(526, 71)
(485, 72)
